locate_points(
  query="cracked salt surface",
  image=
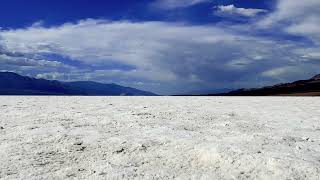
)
(159, 138)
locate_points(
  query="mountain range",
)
(15, 84)
(310, 87)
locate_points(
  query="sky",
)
(163, 46)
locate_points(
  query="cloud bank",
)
(296, 17)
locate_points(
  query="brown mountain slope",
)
(310, 87)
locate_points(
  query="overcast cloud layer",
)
(173, 57)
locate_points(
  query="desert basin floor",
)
(159, 137)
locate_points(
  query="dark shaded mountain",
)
(310, 87)
(14, 84)
(97, 89)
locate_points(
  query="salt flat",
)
(159, 138)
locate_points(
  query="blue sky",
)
(164, 46)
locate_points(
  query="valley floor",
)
(159, 137)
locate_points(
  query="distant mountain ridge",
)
(310, 87)
(15, 84)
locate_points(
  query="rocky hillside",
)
(310, 87)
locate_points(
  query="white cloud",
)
(51, 76)
(174, 4)
(290, 73)
(296, 17)
(231, 10)
(308, 54)
(278, 72)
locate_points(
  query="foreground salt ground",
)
(159, 138)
